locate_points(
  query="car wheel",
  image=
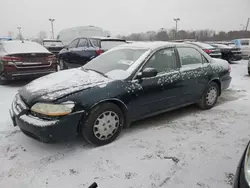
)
(103, 125)
(3, 81)
(61, 64)
(210, 96)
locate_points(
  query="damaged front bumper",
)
(42, 129)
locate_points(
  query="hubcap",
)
(211, 96)
(106, 125)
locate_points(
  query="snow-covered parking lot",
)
(184, 148)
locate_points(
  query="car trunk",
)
(108, 44)
(30, 60)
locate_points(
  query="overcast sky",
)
(121, 16)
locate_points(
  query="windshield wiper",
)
(97, 72)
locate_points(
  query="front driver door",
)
(71, 55)
(160, 92)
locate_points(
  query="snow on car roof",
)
(19, 47)
(51, 40)
(153, 45)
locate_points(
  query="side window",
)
(245, 42)
(83, 43)
(189, 56)
(94, 42)
(73, 44)
(163, 61)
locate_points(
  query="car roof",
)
(106, 38)
(51, 40)
(155, 45)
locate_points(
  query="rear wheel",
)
(103, 125)
(210, 96)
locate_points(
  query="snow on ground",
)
(184, 148)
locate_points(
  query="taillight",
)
(51, 58)
(11, 58)
(207, 51)
(98, 52)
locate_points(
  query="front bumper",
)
(41, 129)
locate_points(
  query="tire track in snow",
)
(32, 167)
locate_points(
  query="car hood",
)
(60, 84)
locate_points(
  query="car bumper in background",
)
(41, 129)
(236, 57)
(26, 74)
(215, 55)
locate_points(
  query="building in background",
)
(68, 35)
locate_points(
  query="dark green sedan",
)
(125, 84)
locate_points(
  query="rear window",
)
(245, 42)
(52, 43)
(17, 47)
(108, 44)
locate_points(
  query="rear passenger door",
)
(195, 70)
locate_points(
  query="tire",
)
(3, 81)
(62, 65)
(97, 137)
(210, 96)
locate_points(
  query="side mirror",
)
(147, 73)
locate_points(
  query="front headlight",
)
(247, 165)
(53, 109)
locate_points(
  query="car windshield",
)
(115, 60)
(52, 43)
(108, 44)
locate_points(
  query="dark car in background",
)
(210, 50)
(242, 176)
(82, 50)
(229, 53)
(123, 85)
(24, 59)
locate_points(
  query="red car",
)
(24, 59)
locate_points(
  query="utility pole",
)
(19, 29)
(176, 26)
(52, 27)
(248, 20)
